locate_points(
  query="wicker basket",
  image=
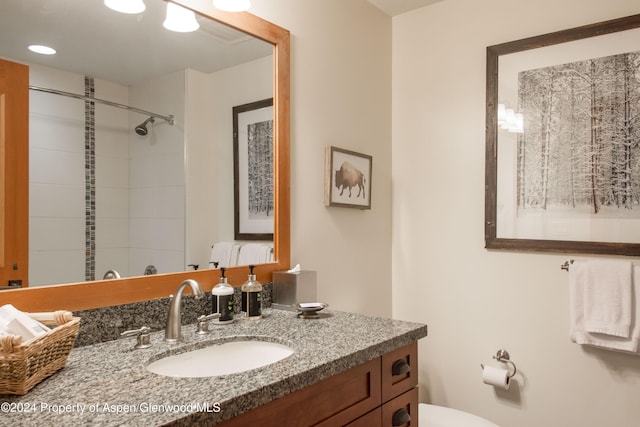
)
(24, 365)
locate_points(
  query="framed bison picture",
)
(347, 179)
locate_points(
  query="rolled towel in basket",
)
(15, 322)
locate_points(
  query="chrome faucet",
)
(172, 332)
(111, 274)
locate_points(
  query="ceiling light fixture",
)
(126, 6)
(232, 5)
(42, 50)
(180, 19)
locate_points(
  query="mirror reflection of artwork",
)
(580, 151)
(260, 169)
(253, 170)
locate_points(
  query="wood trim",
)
(392, 385)
(80, 296)
(14, 171)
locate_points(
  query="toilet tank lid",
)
(439, 416)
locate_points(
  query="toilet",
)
(439, 416)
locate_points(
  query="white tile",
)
(52, 267)
(112, 258)
(52, 200)
(112, 172)
(164, 261)
(56, 234)
(112, 233)
(157, 202)
(160, 171)
(161, 234)
(56, 167)
(52, 133)
(112, 202)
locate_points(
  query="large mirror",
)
(162, 196)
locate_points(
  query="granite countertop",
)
(107, 384)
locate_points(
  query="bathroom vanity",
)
(346, 369)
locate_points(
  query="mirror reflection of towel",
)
(254, 253)
(224, 253)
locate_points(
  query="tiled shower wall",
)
(87, 184)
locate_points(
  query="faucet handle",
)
(203, 323)
(143, 335)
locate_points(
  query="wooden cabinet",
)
(379, 393)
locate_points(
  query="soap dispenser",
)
(222, 300)
(252, 296)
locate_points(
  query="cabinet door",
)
(401, 411)
(14, 173)
(399, 371)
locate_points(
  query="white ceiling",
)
(396, 7)
(96, 41)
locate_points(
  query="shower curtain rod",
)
(168, 119)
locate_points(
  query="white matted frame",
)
(582, 117)
(253, 170)
(347, 178)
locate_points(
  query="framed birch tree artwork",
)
(253, 170)
(563, 141)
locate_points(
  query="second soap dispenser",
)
(252, 296)
(222, 294)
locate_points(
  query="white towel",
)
(254, 253)
(223, 253)
(578, 334)
(607, 297)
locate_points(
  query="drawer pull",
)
(400, 367)
(400, 417)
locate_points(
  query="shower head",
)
(141, 129)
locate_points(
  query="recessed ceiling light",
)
(126, 6)
(43, 50)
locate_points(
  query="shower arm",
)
(169, 119)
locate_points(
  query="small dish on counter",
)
(309, 310)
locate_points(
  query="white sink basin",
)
(221, 359)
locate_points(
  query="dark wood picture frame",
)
(260, 195)
(491, 154)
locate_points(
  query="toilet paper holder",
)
(502, 355)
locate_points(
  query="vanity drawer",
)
(372, 419)
(404, 405)
(334, 401)
(399, 371)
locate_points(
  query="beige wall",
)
(474, 301)
(477, 301)
(341, 96)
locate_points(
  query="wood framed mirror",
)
(100, 293)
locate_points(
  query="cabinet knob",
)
(400, 417)
(400, 367)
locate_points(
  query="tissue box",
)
(292, 288)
